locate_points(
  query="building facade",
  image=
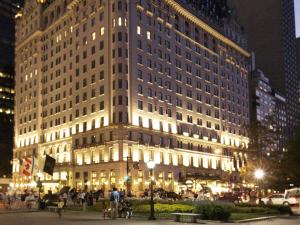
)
(269, 108)
(263, 101)
(7, 14)
(105, 83)
(298, 62)
(276, 54)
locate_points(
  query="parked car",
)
(230, 197)
(294, 193)
(278, 199)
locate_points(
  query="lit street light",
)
(151, 165)
(259, 175)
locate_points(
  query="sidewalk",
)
(92, 218)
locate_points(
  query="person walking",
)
(114, 199)
(60, 206)
(65, 198)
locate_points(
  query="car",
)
(278, 199)
(230, 197)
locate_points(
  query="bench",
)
(52, 208)
(193, 216)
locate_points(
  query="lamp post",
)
(151, 165)
(259, 175)
(39, 183)
(127, 177)
(39, 186)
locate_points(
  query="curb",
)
(18, 211)
(257, 219)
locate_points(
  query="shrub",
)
(221, 212)
(214, 211)
(282, 209)
(163, 208)
(267, 209)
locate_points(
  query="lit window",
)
(148, 35)
(93, 36)
(125, 22)
(101, 31)
(138, 30)
(119, 21)
(114, 22)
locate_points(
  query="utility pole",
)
(127, 176)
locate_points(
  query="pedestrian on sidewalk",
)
(60, 206)
(114, 199)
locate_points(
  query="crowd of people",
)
(19, 200)
(118, 206)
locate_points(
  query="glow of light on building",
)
(186, 134)
(205, 162)
(186, 160)
(87, 158)
(166, 159)
(56, 176)
(115, 153)
(106, 121)
(165, 127)
(175, 159)
(135, 155)
(146, 156)
(63, 175)
(155, 124)
(157, 157)
(79, 159)
(195, 161)
(213, 164)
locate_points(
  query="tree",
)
(290, 164)
(263, 152)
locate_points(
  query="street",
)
(79, 218)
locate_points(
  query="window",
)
(93, 36)
(150, 107)
(148, 35)
(119, 21)
(140, 89)
(102, 105)
(101, 90)
(138, 30)
(140, 104)
(101, 31)
(140, 74)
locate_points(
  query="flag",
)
(49, 165)
(38, 165)
(27, 167)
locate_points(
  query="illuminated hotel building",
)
(100, 82)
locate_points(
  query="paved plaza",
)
(79, 218)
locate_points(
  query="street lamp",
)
(151, 165)
(39, 183)
(259, 175)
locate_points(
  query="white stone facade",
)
(101, 80)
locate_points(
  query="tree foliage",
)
(262, 150)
